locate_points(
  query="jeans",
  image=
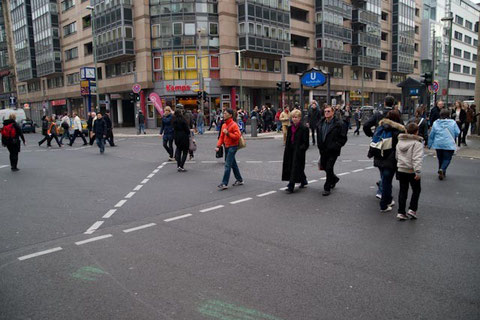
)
(200, 127)
(141, 126)
(279, 126)
(357, 130)
(64, 135)
(387, 177)
(444, 157)
(100, 144)
(405, 180)
(379, 183)
(231, 164)
(327, 163)
(473, 127)
(168, 145)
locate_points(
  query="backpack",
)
(382, 141)
(65, 125)
(9, 132)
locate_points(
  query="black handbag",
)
(219, 153)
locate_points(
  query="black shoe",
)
(15, 169)
(326, 193)
(289, 190)
(83, 144)
(335, 183)
(303, 184)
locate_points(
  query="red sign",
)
(61, 102)
(157, 102)
(4, 73)
(136, 88)
(177, 88)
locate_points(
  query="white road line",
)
(346, 160)
(324, 178)
(358, 170)
(365, 160)
(178, 217)
(266, 193)
(105, 236)
(40, 253)
(155, 171)
(94, 227)
(312, 181)
(144, 181)
(209, 161)
(368, 168)
(140, 227)
(4, 166)
(343, 173)
(150, 175)
(138, 187)
(120, 203)
(241, 200)
(109, 213)
(212, 208)
(283, 189)
(253, 161)
(275, 161)
(160, 166)
(130, 194)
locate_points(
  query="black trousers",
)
(45, 138)
(181, 157)
(327, 163)
(357, 130)
(314, 131)
(53, 136)
(76, 134)
(465, 132)
(14, 149)
(406, 180)
(109, 137)
(168, 145)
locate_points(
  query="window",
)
(384, 36)
(417, 12)
(179, 62)
(214, 62)
(417, 30)
(468, 39)
(474, 71)
(56, 82)
(67, 4)
(457, 52)
(276, 65)
(190, 29)
(177, 28)
(69, 29)
(474, 57)
(384, 56)
(128, 32)
(466, 70)
(73, 78)
(337, 73)
(467, 55)
(191, 61)
(213, 28)
(263, 65)
(354, 74)
(459, 20)
(157, 63)
(380, 75)
(458, 36)
(384, 16)
(87, 22)
(456, 67)
(475, 42)
(298, 14)
(415, 64)
(468, 24)
(241, 28)
(416, 47)
(256, 64)
(71, 54)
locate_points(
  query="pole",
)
(283, 81)
(363, 78)
(94, 41)
(200, 79)
(240, 100)
(328, 89)
(450, 19)
(434, 58)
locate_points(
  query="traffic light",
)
(288, 86)
(199, 95)
(427, 78)
(132, 97)
(137, 97)
(205, 96)
(280, 86)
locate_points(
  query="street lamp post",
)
(94, 45)
(449, 19)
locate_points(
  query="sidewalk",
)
(470, 151)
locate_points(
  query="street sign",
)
(136, 88)
(313, 78)
(414, 92)
(195, 87)
(84, 88)
(13, 100)
(435, 86)
(87, 73)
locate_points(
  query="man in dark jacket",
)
(45, 123)
(313, 118)
(435, 112)
(141, 122)
(11, 135)
(109, 125)
(331, 137)
(100, 131)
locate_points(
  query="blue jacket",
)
(167, 128)
(443, 134)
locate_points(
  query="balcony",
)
(115, 50)
(334, 56)
(366, 62)
(365, 17)
(336, 6)
(264, 45)
(333, 31)
(366, 40)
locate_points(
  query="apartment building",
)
(53, 40)
(7, 74)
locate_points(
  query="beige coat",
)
(284, 118)
(409, 153)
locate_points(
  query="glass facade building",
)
(366, 34)
(403, 32)
(24, 47)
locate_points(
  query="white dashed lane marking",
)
(120, 203)
(109, 213)
(212, 208)
(266, 193)
(144, 181)
(150, 175)
(4, 166)
(178, 217)
(240, 201)
(140, 227)
(105, 236)
(358, 170)
(130, 194)
(40, 253)
(343, 173)
(94, 227)
(138, 187)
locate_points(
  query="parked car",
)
(28, 126)
(5, 113)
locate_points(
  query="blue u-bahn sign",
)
(313, 78)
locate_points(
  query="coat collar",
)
(392, 124)
(406, 136)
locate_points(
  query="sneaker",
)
(411, 214)
(379, 196)
(392, 203)
(180, 169)
(401, 217)
(388, 209)
(440, 174)
(237, 183)
(171, 159)
(222, 187)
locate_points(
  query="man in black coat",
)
(313, 118)
(331, 137)
(100, 131)
(108, 123)
(435, 112)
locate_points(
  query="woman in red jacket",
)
(230, 136)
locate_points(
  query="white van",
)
(5, 113)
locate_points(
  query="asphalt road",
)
(125, 236)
